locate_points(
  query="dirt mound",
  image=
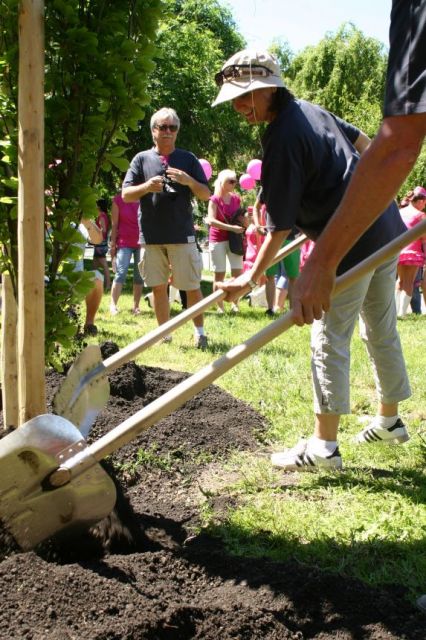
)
(156, 579)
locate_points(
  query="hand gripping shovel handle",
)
(166, 404)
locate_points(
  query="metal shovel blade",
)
(30, 511)
(85, 390)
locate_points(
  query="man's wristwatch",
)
(252, 284)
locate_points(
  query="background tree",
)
(345, 73)
(184, 80)
(98, 58)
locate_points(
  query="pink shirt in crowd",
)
(224, 213)
(128, 227)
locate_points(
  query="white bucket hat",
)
(246, 71)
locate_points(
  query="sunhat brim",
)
(238, 86)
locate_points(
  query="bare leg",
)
(161, 303)
(406, 277)
(116, 290)
(193, 297)
(280, 298)
(102, 264)
(326, 426)
(137, 294)
(387, 410)
(219, 276)
(93, 300)
(270, 291)
(235, 273)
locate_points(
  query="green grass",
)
(368, 521)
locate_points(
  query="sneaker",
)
(397, 434)
(297, 459)
(220, 311)
(113, 309)
(234, 308)
(90, 330)
(166, 339)
(270, 312)
(136, 311)
(201, 342)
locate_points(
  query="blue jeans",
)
(123, 257)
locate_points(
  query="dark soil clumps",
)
(143, 572)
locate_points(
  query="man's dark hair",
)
(280, 99)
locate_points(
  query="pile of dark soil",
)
(168, 582)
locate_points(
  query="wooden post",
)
(9, 369)
(31, 333)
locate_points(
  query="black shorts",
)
(100, 250)
(406, 75)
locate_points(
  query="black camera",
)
(168, 184)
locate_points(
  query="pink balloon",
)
(254, 169)
(247, 182)
(207, 168)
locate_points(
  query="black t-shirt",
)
(308, 160)
(165, 218)
(406, 74)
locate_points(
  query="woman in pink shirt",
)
(125, 244)
(223, 207)
(412, 257)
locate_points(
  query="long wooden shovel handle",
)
(176, 397)
(146, 341)
(65, 400)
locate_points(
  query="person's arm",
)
(381, 170)
(94, 232)
(213, 221)
(199, 189)
(257, 218)
(114, 228)
(133, 193)
(267, 253)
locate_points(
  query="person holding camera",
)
(165, 179)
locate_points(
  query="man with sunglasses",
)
(165, 179)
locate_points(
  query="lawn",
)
(367, 521)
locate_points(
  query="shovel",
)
(85, 391)
(51, 480)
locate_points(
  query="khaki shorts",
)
(180, 261)
(219, 251)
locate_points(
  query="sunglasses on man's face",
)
(239, 70)
(166, 127)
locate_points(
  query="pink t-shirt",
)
(224, 213)
(128, 227)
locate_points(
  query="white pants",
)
(373, 296)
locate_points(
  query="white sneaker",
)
(396, 434)
(113, 309)
(297, 459)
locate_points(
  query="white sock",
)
(404, 302)
(321, 447)
(382, 421)
(199, 331)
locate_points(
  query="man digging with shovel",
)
(309, 157)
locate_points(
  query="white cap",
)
(246, 71)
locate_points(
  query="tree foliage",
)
(345, 73)
(99, 55)
(194, 40)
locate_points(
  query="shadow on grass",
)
(325, 597)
